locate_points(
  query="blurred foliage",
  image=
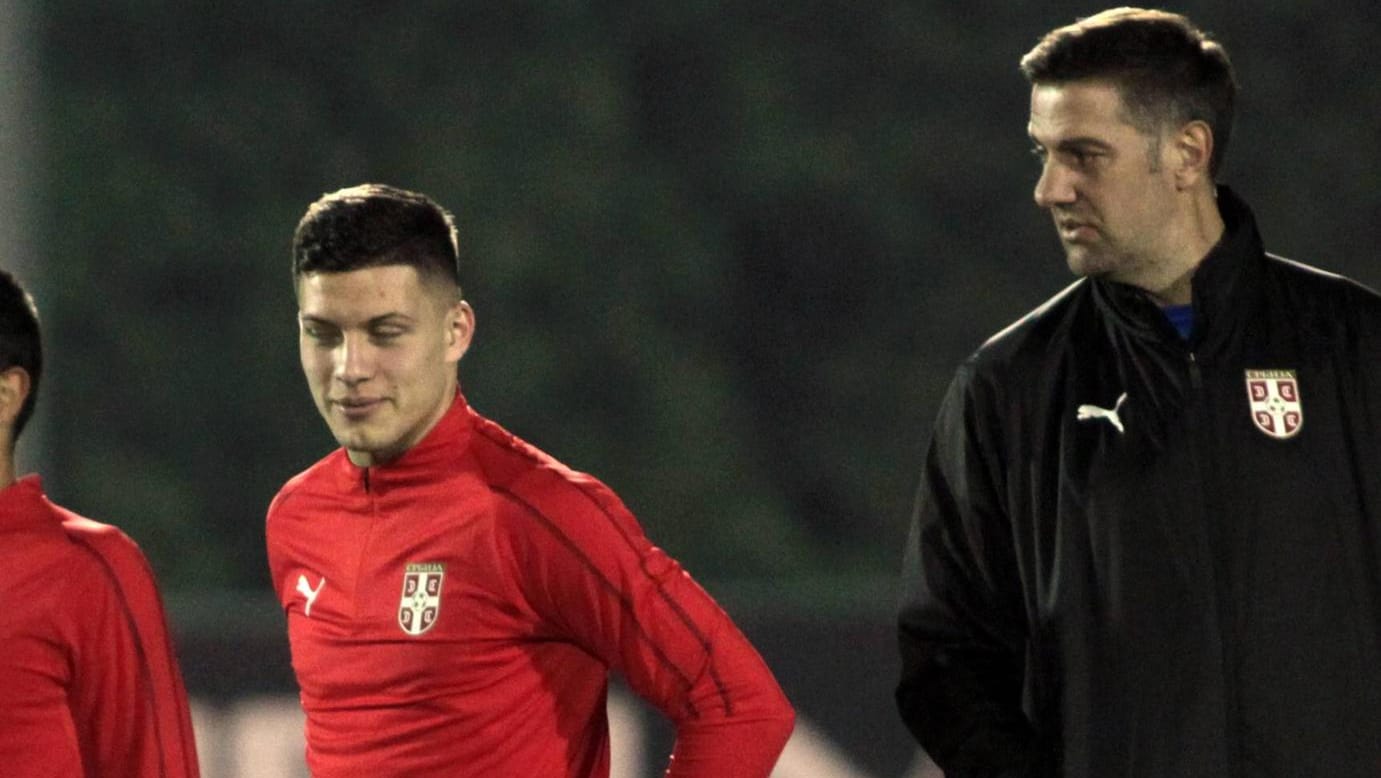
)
(724, 255)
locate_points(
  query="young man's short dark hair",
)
(20, 343)
(1167, 71)
(372, 225)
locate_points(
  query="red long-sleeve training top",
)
(456, 612)
(89, 682)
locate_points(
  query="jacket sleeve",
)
(129, 706)
(593, 572)
(961, 626)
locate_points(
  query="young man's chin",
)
(355, 441)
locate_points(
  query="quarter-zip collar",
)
(23, 506)
(1225, 288)
(430, 458)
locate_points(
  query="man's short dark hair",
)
(20, 343)
(372, 225)
(1167, 71)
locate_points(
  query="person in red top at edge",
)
(89, 683)
(456, 598)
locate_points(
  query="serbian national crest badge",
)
(1275, 402)
(421, 602)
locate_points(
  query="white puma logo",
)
(306, 590)
(1087, 412)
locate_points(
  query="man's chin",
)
(368, 450)
(1085, 263)
(355, 441)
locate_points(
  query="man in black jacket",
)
(1147, 540)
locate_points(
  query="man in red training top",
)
(89, 683)
(455, 597)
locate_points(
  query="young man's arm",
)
(961, 627)
(632, 605)
(128, 702)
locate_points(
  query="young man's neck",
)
(7, 470)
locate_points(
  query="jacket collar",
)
(1225, 287)
(432, 456)
(23, 506)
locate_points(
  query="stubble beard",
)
(1108, 264)
(1085, 263)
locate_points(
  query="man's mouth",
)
(1075, 230)
(357, 407)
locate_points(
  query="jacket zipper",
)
(1219, 536)
(361, 571)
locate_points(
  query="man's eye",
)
(1038, 153)
(319, 334)
(1082, 158)
(388, 333)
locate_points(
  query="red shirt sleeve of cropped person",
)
(601, 582)
(129, 706)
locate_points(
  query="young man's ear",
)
(14, 390)
(460, 329)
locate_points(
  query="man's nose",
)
(354, 359)
(1054, 187)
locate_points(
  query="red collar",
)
(433, 455)
(22, 505)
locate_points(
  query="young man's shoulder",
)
(83, 556)
(107, 546)
(54, 538)
(314, 479)
(531, 480)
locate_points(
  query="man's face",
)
(1108, 186)
(379, 348)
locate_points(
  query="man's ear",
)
(14, 390)
(1193, 150)
(460, 329)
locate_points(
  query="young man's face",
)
(379, 347)
(1109, 188)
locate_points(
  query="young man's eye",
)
(320, 334)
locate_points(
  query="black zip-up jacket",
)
(1138, 556)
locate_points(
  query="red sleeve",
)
(128, 702)
(592, 572)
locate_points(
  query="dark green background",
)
(725, 255)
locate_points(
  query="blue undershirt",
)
(1182, 317)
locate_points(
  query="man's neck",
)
(7, 471)
(1202, 227)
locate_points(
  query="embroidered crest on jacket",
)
(1275, 402)
(420, 605)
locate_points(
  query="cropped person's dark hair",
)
(1167, 71)
(371, 225)
(20, 342)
